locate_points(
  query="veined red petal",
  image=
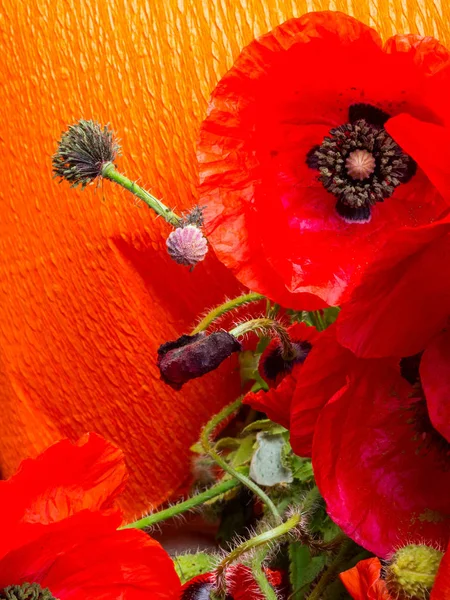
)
(403, 299)
(428, 144)
(84, 557)
(63, 480)
(383, 478)
(363, 582)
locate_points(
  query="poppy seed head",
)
(82, 152)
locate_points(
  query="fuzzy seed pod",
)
(187, 245)
(412, 571)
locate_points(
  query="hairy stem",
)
(255, 542)
(265, 324)
(224, 308)
(260, 577)
(205, 439)
(181, 507)
(110, 172)
(333, 570)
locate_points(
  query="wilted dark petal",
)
(192, 356)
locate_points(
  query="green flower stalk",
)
(86, 152)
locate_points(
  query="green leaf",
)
(248, 362)
(303, 569)
(266, 467)
(188, 566)
(264, 425)
(330, 314)
(227, 443)
(243, 454)
(197, 448)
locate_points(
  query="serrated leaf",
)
(266, 467)
(188, 566)
(303, 569)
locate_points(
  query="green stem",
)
(109, 172)
(260, 577)
(288, 350)
(178, 509)
(255, 542)
(333, 570)
(205, 439)
(224, 308)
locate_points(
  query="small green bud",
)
(412, 571)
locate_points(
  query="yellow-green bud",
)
(412, 571)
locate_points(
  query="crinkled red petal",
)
(84, 557)
(403, 299)
(363, 581)
(63, 480)
(382, 480)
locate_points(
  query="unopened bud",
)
(187, 245)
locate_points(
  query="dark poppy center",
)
(360, 164)
(26, 591)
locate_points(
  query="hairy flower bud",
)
(187, 245)
(412, 571)
(83, 151)
(192, 356)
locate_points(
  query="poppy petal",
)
(363, 581)
(63, 480)
(385, 314)
(381, 482)
(441, 587)
(323, 374)
(435, 378)
(428, 144)
(84, 557)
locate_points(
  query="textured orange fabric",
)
(87, 292)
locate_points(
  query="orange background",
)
(87, 291)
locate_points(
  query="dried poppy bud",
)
(192, 356)
(187, 245)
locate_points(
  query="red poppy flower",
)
(364, 582)
(282, 374)
(239, 582)
(403, 299)
(57, 535)
(302, 180)
(381, 454)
